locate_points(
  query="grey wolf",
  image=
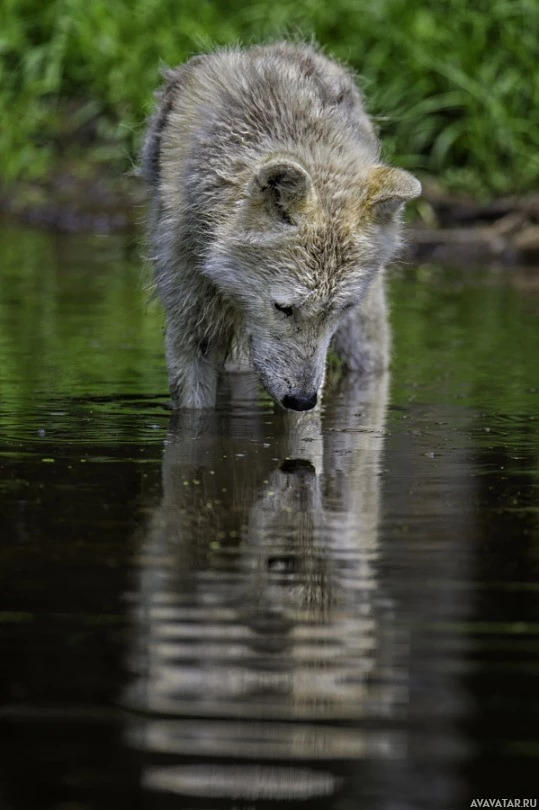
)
(272, 219)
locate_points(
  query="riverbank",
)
(444, 227)
(456, 227)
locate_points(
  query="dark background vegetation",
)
(452, 83)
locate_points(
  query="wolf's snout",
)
(300, 403)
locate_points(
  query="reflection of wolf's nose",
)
(300, 403)
(299, 466)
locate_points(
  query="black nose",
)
(300, 403)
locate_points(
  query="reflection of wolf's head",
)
(258, 600)
(286, 506)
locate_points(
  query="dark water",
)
(249, 609)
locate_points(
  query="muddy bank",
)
(446, 227)
(93, 203)
(458, 228)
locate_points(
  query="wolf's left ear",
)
(389, 189)
(284, 188)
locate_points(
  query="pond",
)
(249, 608)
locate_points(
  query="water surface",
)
(253, 609)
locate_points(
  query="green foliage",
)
(450, 82)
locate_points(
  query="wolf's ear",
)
(283, 188)
(388, 190)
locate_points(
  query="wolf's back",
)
(224, 111)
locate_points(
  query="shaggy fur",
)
(272, 219)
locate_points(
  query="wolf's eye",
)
(288, 311)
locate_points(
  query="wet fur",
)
(268, 189)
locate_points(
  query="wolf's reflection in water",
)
(268, 664)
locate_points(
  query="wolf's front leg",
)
(193, 372)
(363, 340)
(238, 359)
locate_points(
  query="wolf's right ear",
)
(283, 188)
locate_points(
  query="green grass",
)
(450, 82)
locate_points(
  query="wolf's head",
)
(298, 256)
